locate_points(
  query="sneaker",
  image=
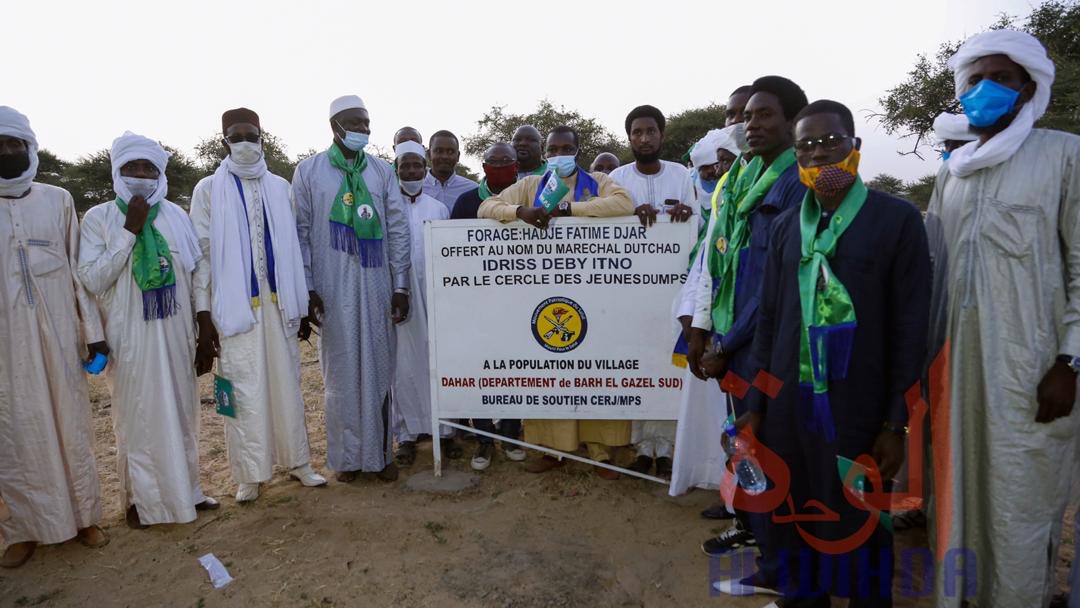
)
(642, 464)
(482, 459)
(512, 452)
(747, 586)
(735, 537)
(307, 476)
(663, 467)
(247, 492)
(718, 511)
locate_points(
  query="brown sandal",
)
(18, 554)
(93, 537)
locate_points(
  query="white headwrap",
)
(952, 127)
(717, 139)
(1028, 52)
(409, 147)
(14, 124)
(703, 153)
(732, 139)
(346, 102)
(129, 147)
(230, 248)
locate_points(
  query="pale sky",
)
(84, 72)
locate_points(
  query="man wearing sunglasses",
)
(726, 313)
(250, 297)
(843, 324)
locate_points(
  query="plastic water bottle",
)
(748, 472)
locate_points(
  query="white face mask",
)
(140, 186)
(412, 188)
(739, 134)
(245, 152)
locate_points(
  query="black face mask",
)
(14, 165)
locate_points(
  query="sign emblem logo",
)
(559, 324)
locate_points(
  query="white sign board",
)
(569, 322)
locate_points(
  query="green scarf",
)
(152, 267)
(828, 315)
(731, 235)
(485, 192)
(706, 217)
(542, 169)
(355, 227)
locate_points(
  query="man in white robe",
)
(655, 186)
(699, 458)
(250, 290)
(1004, 228)
(354, 235)
(412, 379)
(48, 477)
(155, 399)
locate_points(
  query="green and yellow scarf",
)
(152, 267)
(355, 227)
(828, 315)
(731, 234)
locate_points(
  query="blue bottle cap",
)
(97, 364)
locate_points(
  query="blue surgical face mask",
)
(985, 103)
(709, 185)
(353, 140)
(945, 155)
(563, 165)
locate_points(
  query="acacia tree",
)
(499, 125)
(210, 151)
(909, 108)
(687, 127)
(887, 183)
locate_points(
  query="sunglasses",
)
(830, 142)
(236, 138)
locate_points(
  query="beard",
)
(651, 157)
(999, 126)
(14, 165)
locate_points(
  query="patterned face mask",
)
(828, 180)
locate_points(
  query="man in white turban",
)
(49, 323)
(412, 383)
(137, 256)
(354, 235)
(250, 295)
(952, 131)
(1004, 228)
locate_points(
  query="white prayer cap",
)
(346, 102)
(1021, 47)
(129, 147)
(409, 147)
(14, 124)
(952, 127)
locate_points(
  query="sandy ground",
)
(563, 539)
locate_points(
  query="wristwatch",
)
(894, 427)
(402, 291)
(1071, 361)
